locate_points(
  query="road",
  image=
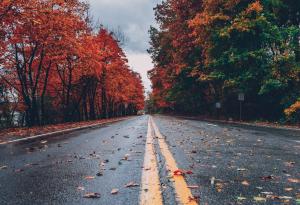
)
(154, 160)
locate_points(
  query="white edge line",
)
(59, 132)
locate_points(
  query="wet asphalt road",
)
(230, 164)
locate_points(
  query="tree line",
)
(54, 66)
(207, 52)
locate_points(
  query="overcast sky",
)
(134, 17)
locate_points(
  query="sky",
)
(134, 18)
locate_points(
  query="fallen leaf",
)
(126, 157)
(92, 195)
(131, 184)
(80, 188)
(265, 178)
(259, 199)
(289, 164)
(3, 167)
(240, 198)
(288, 189)
(189, 172)
(219, 187)
(89, 177)
(194, 198)
(245, 183)
(267, 193)
(292, 180)
(178, 172)
(114, 191)
(99, 174)
(193, 187)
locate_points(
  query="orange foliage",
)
(52, 59)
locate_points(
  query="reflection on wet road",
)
(193, 161)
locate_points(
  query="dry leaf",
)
(293, 180)
(131, 184)
(193, 187)
(259, 199)
(178, 172)
(240, 198)
(80, 188)
(89, 177)
(3, 167)
(114, 191)
(92, 195)
(245, 183)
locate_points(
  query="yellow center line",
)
(183, 193)
(150, 193)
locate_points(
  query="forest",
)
(56, 67)
(208, 52)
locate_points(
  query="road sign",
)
(241, 97)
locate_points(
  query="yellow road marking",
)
(150, 193)
(183, 193)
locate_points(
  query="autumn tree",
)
(209, 51)
(59, 69)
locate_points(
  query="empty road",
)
(154, 160)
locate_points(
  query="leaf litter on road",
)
(131, 184)
(91, 195)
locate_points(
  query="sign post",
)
(241, 98)
(218, 106)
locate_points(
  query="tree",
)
(209, 51)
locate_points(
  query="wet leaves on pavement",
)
(91, 195)
(131, 184)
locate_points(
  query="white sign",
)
(218, 105)
(241, 97)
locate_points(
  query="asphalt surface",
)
(229, 164)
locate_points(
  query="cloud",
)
(134, 17)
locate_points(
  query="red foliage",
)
(59, 69)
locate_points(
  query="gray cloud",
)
(134, 17)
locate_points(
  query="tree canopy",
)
(209, 51)
(59, 67)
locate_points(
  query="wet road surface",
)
(221, 164)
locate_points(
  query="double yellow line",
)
(151, 189)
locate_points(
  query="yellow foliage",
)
(254, 7)
(292, 109)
